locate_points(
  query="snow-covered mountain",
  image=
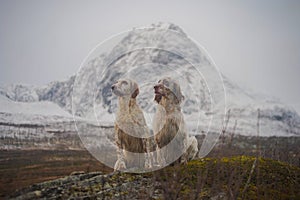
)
(146, 55)
(37, 112)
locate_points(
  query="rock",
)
(77, 173)
(38, 193)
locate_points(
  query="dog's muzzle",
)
(158, 89)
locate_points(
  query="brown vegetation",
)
(21, 168)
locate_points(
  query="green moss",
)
(268, 179)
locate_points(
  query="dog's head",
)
(169, 89)
(125, 87)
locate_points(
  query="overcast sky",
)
(254, 43)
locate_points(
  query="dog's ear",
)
(179, 99)
(177, 93)
(135, 93)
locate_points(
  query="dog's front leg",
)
(149, 154)
(160, 156)
(120, 163)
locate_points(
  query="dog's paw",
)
(192, 148)
(120, 165)
(149, 161)
(160, 157)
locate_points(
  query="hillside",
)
(238, 177)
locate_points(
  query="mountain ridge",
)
(163, 57)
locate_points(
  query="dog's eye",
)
(166, 83)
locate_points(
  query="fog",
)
(256, 44)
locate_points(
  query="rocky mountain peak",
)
(146, 55)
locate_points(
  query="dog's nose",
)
(113, 87)
(156, 87)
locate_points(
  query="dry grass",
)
(21, 168)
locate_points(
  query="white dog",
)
(169, 126)
(131, 130)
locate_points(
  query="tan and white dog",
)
(131, 129)
(171, 136)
